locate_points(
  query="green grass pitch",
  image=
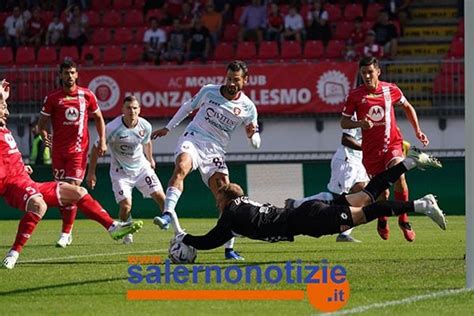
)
(90, 276)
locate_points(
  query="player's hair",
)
(237, 65)
(367, 61)
(131, 98)
(67, 64)
(231, 191)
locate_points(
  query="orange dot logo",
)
(329, 290)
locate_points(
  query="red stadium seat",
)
(47, 56)
(268, 50)
(112, 18)
(373, 10)
(367, 25)
(139, 3)
(246, 50)
(448, 84)
(100, 36)
(460, 31)
(25, 92)
(6, 56)
(334, 12)
(224, 51)
(313, 49)
(343, 30)
(139, 33)
(112, 55)
(94, 51)
(291, 50)
(231, 32)
(47, 17)
(122, 36)
(133, 54)
(133, 18)
(69, 52)
(156, 13)
(284, 8)
(238, 13)
(352, 10)
(94, 18)
(100, 5)
(3, 17)
(335, 49)
(122, 4)
(25, 56)
(452, 66)
(457, 47)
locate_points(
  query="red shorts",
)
(19, 190)
(69, 166)
(376, 163)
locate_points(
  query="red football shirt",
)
(69, 115)
(376, 106)
(11, 162)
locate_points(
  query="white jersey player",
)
(132, 164)
(222, 109)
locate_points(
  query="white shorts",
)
(344, 174)
(146, 181)
(208, 157)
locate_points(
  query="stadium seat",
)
(112, 55)
(284, 8)
(268, 50)
(139, 33)
(460, 31)
(24, 92)
(353, 10)
(291, 50)
(224, 51)
(139, 3)
(112, 18)
(133, 18)
(94, 51)
(448, 84)
(94, 18)
(457, 47)
(246, 50)
(231, 32)
(373, 10)
(47, 55)
(335, 49)
(99, 5)
(367, 25)
(334, 12)
(100, 36)
(69, 52)
(122, 36)
(122, 4)
(25, 56)
(47, 17)
(343, 30)
(157, 13)
(3, 17)
(133, 54)
(452, 66)
(237, 13)
(6, 56)
(313, 49)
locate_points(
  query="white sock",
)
(172, 197)
(420, 206)
(230, 243)
(112, 227)
(409, 163)
(13, 253)
(175, 222)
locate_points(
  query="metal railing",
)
(434, 87)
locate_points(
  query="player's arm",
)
(348, 123)
(91, 178)
(413, 119)
(350, 142)
(43, 123)
(100, 126)
(216, 237)
(148, 150)
(253, 135)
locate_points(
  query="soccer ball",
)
(182, 253)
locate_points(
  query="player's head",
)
(236, 78)
(68, 73)
(131, 108)
(227, 193)
(369, 70)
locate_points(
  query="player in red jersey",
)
(374, 102)
(68, 109)
(21, 192)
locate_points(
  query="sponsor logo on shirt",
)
(237, 111)
(71, 114)
(219, 120)
(376, 113)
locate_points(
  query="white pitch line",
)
(91, 256)
(408, 300)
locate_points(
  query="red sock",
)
(68, 214)
(402, 196)
(25, 229)
(93, 210)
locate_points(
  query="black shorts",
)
(316, 218)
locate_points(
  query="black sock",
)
(228, 250)
(384, 180)
(387, 208)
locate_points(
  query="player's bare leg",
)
(216, 181)
(183, 166)
(68, 215)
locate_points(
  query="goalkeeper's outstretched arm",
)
(216, 237)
